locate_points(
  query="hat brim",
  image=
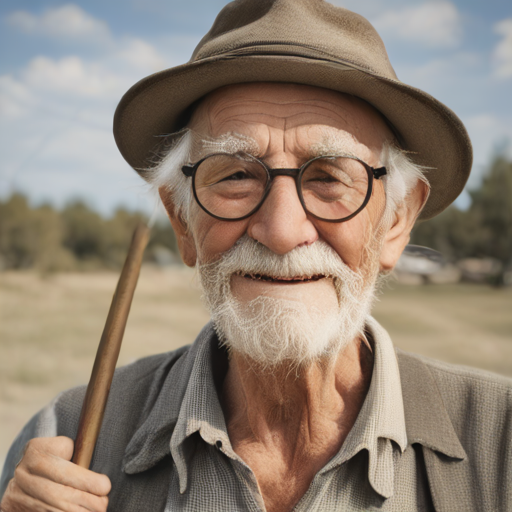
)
(433, 134)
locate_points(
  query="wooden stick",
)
(96, 396)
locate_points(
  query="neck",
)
(299, 418)
(262, 400)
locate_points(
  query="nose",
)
(281, 224)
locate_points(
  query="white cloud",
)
(503, 52)
(69, 75)
(141, 54)
(460, 80)
(434, 24)
(56, 113)
(60, 86)
(14, 96)
(68, 21)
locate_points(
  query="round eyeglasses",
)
(233, 187)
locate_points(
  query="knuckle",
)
(11, 486)
(33, 453)
(31, 443)
(34, 445)
(38, 465)
(19, 474)
(11, 498)
(7, 499)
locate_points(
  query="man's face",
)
(287, 315)
(289, 123)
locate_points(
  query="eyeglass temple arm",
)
(188, 170)
(378, 173)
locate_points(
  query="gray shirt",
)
(164, 442)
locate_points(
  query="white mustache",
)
(249, 257)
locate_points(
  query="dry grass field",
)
(50, 327)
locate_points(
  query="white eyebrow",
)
(230, 143)
(330, 146)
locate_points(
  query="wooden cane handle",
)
(96, 396)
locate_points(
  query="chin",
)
(275, 332)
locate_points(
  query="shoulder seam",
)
(465, 372)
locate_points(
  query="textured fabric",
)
(310, 42)
(440, 441)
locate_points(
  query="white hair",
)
(402, 173)
(167, 174)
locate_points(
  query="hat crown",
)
(313, 28)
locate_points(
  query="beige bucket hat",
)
(306, 42)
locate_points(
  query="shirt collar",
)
(151, 442)
(201, 410)
(188, 402)
(428, 422)
(381, 419)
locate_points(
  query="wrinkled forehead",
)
(297, 111)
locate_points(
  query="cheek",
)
(347, 239)
(377, 204)
(214, 237)
(350, 239)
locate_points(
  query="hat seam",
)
(259, 44)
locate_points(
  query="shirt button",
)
(218, 444)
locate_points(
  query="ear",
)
(185, 240)
(398, 235)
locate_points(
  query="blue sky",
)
(64, 66)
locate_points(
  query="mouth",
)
(284, 280)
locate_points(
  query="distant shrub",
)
(75, 238)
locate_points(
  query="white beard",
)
(271, 331)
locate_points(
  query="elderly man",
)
(296, 169)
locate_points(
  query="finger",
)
(58, 470)
(59, 446)
(15, 500)
(60, 497)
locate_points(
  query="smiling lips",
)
(287, 280)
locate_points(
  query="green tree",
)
(84, 233)
(118, 232)
(31, 237)
(454, 233)
(75, 238)
(491, 210)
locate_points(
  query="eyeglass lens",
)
(231, 187)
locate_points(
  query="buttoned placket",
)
(201, 412)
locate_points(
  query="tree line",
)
(484, 230)
(77, 237)
(73, 238)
